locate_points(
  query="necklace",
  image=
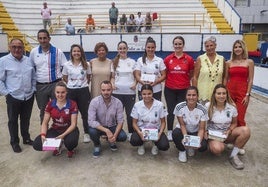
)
(213, 73)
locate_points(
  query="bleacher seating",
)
(185, 16)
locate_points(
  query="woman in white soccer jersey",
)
(125, 83)
(149, 113)
(192, 117)
(223, 118)
(150, 65)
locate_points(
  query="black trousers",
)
(70, 140)
(19, 109)
(173, 97)
(177, 137)
(128, 102)
(82, 97)
(162, 144)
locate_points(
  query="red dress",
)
(237, 86)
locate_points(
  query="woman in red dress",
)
(238, 78)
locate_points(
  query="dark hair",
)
(44, 31)
(180, 38)
(83, 56)
(147, 87)
(116, 59)
(149, 40)
(99, 45)
(192, 88)
(106, 82)
(62, 84)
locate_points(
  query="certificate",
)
(51, 144)
(148, 77)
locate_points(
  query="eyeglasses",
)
(16, 47)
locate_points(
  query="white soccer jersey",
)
(149, 118)
(192, 118)
(221, 120)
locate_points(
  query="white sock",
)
(234, 152)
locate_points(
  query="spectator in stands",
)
(149, 113)
(76, 73)
(17, 84)
(148, 22)
(123, 23)
(139, 21)
(69, 28)
(46, 15)
(90, 24)
(189, 125)
(209, 70)
(48, 61)
(101, 68)
(239, 73)
(113, 15)
(63, 112)
(105, 117)
(131, 24)
(179, 72)
(125, 83)
(223, 118)
(150, 69)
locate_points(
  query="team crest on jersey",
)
(67, 111)
(177, 67)
(171, 61)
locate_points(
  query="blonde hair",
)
(244, 47)
(213, 101)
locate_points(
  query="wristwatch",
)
(247, 94)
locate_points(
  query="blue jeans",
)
(95, 135)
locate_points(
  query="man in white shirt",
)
(48, 62)
(139, 22)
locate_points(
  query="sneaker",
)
(57, 152)
(182, 156)
(141, 150)
(113, 147)
(129, 136)
(86, 138)
(70, 154)
(169, 135)
(242, 151)
(154, 150)
(96, 152)
(190, 152)
(236, 162)
(230, 146)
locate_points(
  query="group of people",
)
(209, 94)
(136, 24)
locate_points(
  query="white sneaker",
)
(141, 150)
(230, 146)
(241, 151)
(86, 138)
(129, 136)
(169, 135)
(182, 156)
(190, 152)
(154, 150)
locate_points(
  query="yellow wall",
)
(251, 40)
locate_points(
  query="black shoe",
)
(28, 142)
(16, 148)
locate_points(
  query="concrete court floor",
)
(125, 168)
